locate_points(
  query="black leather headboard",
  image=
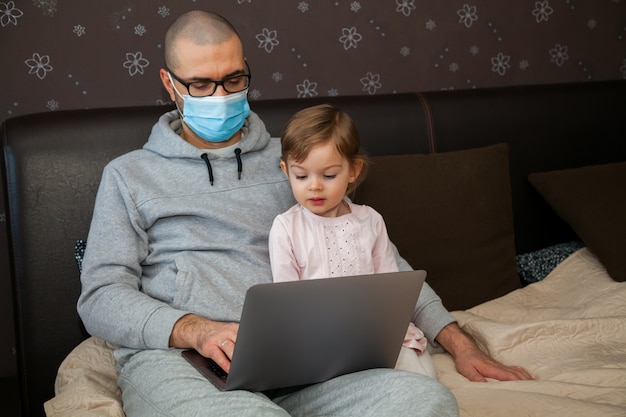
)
(547, 127)
(53, 162)
(53, 166)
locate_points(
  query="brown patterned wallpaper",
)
(70, 54)
(67, 54)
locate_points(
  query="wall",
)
(66, 54)
(69, 54)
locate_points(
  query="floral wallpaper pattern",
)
(66, 54)
(71, 54)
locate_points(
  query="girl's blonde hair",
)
(318, 125)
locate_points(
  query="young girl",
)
(325, 234)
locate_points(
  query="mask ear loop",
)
(180, 95)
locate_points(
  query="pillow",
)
(592, 200)
(536, 265)
(86, 383)
(79, 253)
(450, 214)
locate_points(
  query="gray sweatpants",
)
(158, 383)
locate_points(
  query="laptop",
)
(305, 332)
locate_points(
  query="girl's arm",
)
(383, 255)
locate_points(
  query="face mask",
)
(215, 118)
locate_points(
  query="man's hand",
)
(212, 339)
(473, 363)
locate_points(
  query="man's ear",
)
(167, 83)
(283, 167)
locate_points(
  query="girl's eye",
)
(330, 176)
(300, 177)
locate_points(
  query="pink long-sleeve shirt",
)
(304, 245)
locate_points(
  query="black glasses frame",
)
(216, 82)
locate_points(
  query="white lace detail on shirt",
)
(342, 250)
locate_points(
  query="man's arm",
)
(432, 318)
(473, 363)
(111, 304)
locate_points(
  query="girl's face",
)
(319, 182)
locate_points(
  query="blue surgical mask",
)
(215, 118)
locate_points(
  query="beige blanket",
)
(568, 330)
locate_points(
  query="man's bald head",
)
(199, 27)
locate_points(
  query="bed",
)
(568, 330)
(512, 198)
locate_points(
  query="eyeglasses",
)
(207, 87)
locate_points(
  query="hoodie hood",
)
(165, 141)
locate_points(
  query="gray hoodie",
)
(177, 229)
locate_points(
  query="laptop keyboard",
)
(216, 369)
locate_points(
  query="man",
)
(180, 232)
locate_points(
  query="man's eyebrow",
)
(231, 74)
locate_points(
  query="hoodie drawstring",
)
(239, 164)
(205, 158)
